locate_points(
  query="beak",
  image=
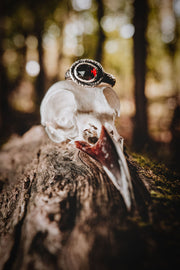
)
(110, 154)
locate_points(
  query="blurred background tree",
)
(137, 41)
(140, 19)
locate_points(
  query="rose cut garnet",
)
(86, 72)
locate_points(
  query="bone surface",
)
(69, 111)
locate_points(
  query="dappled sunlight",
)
(176, 7)
(31, 42)
(74, 31)
(79, 5)
(19, 40)
(51, 54)
(32, 68)
(111, 46)
(160, 118)
(127, 107)
(9, 57)
(156, 89)
(127, 31)
(110, 23)
(168, 22)
(22, 98)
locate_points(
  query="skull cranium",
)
(73, 112)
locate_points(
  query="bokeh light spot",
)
(18, 40)
(127, 31)
(79, 5)
(32, 42)
(111, 46)
(32, 68)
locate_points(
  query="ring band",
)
(89, 72)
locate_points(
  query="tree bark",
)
(59, 210)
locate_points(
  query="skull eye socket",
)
(86, 72)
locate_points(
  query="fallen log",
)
(59, 210)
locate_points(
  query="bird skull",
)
(73, 112)
(85, 115)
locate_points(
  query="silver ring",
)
(88, 72)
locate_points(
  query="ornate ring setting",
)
(88, 72)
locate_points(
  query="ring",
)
(88, 72)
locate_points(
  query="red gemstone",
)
(94, 72)
(86, 72)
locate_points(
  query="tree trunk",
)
(59, 210)
(40, 80)
(5, 111)
(101, 35)
(140, 136)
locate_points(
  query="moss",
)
(164, 187)
(165, 180)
